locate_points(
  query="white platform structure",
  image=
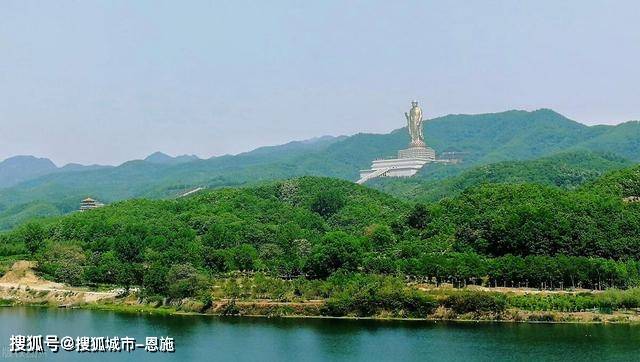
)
(408, 163)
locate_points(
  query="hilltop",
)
(16, 169)
(159, 157)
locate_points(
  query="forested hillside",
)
(60, 192)
(481, 139)
(566, 170)
(309, 227)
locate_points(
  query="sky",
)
(109, 81)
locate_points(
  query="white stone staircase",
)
(191, 192)
(374, 174)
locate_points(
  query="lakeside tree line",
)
(499, 235)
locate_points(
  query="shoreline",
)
(145, 309)
(22, 287)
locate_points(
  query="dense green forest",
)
(314, 228)
(482, 139)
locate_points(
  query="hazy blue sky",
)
(108, 81)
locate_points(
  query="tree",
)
(71, 273)
(381, 237)
(155, 278)
(129, 247)
(32, 235)
(103, 268)
(129, 274)
(221, 235)
(215, 259)
(242, 257)
(337, 250)
(327, 203)
(417, 219)
(183, 281)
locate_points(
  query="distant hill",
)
(163, 158)
(567, 170)
(60, 192)
(79, 167)
(482, 139)
(20, 168)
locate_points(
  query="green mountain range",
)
(481, 139)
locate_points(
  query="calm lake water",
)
(204, 338)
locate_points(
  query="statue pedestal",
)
(419, 152)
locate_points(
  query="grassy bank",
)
(343, 295)
(456, 306)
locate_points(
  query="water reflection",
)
(206, 338)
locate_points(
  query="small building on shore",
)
(89, 203)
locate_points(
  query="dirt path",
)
(21, 284)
